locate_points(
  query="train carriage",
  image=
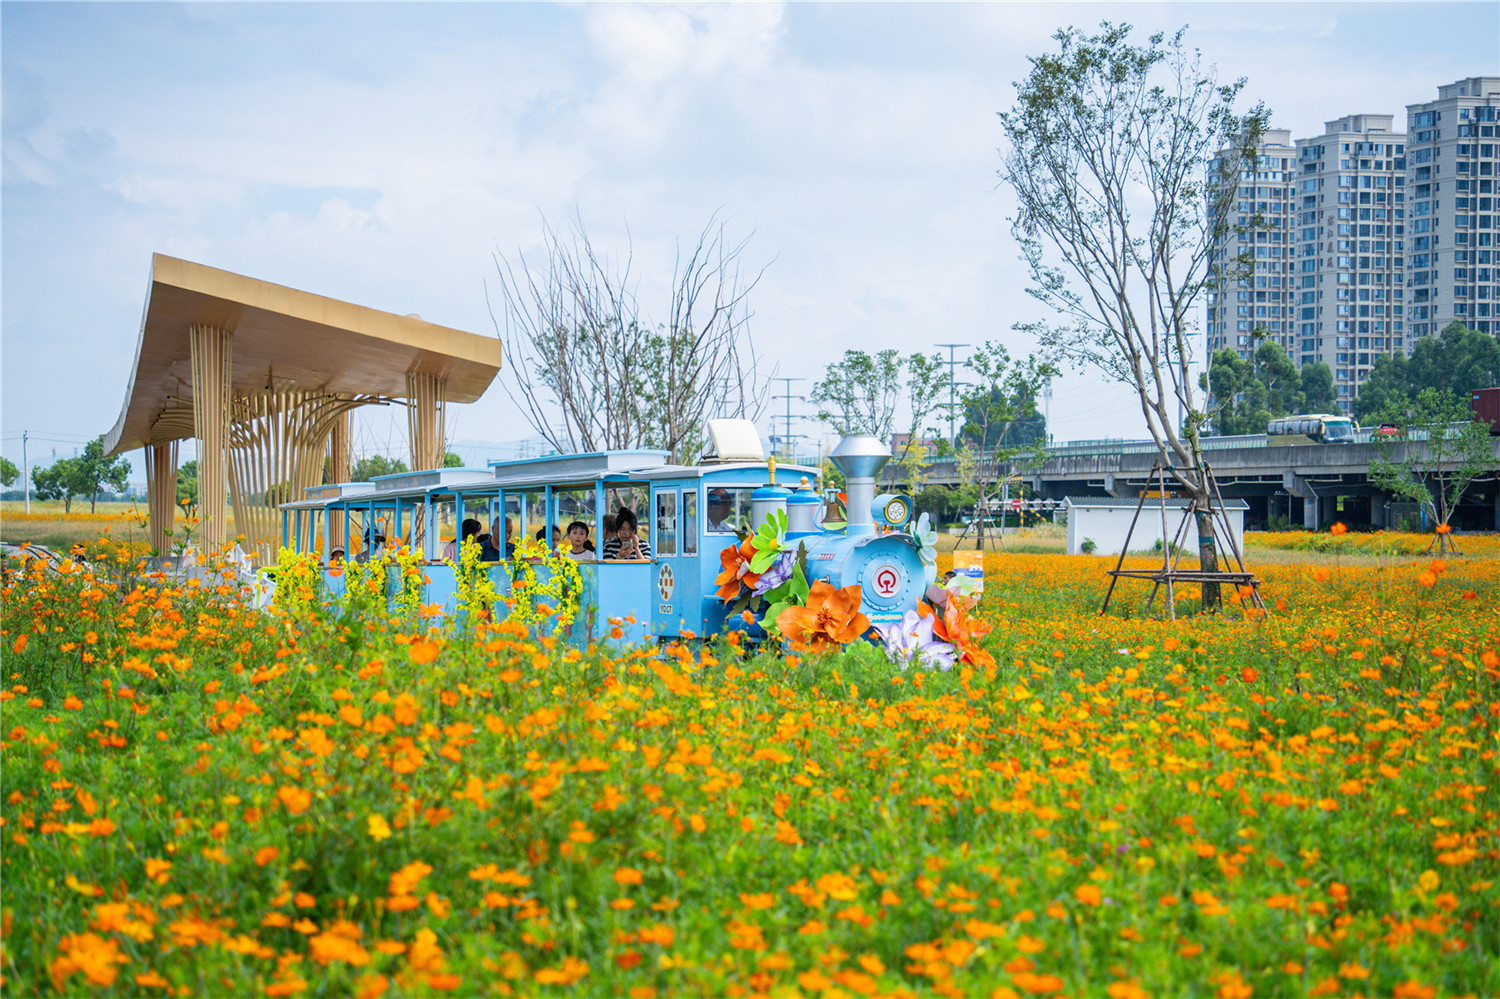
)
(687, 513)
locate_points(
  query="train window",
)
(690, 522)
(729, 509)
(576, 504)
(666, 524)
(630, 497)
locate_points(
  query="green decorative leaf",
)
(799, 584)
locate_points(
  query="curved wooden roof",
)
(283, 339)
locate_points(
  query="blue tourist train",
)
(687, 514)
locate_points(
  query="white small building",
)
(1106, 521)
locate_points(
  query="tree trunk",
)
(93, 500)
(67, 505)
(980, 506)
(1208, 549)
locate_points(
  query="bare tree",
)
(578, 344)
(1112, 156)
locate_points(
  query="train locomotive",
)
(688, 514)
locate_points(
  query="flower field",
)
(202, 799)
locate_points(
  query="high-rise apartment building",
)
(1351, 241)
(1453, 260)
(1262, 294)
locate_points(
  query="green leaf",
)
(799, 584)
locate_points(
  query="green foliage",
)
(452, 460)
(1318, 395)
(1437, 471)
(1454, 362)
(187, 486)
(374, 465)
(1246, 395)
(56, 481)
(8, 472)
(861, 393)
(1088, 546)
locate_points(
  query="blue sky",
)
(383, 153)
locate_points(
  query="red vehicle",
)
(1484, 407)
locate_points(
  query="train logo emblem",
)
(887, 580)
(664, 582)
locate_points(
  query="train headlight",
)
(891, 510)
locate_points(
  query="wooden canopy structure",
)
(264, 377)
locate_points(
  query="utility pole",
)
(25, 471)
(952, 363)
(787, 395)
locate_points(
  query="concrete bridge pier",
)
(1122, 490)
(1311, 502)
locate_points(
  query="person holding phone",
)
(626, 544)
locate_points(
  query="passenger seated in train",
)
(510, 530)
(625, 544)
(373, 546)
(471, 529)
(580, 549)
(487, 550)
(557, 539)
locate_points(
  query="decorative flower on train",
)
(911, 642)
(735, 561)
(953, 625)
(926, 539)
(768, 540)
(964, 586)
(777, 573)
(831, 619)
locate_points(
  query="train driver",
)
(719, 508)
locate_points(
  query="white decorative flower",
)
(910, 642)
(927, 540)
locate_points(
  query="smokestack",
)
(860, 457)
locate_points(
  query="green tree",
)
(374, 465)
(1317, 389)
(8, 472)
(1236, 397)
(1454, 362)
(859, 394)
(1278, 373)
(94, 470)
(452, 460)
(1245, 395)
(1435, 472)
(58, 481)
(1001, 429)
(187, 487)
(1125, 161)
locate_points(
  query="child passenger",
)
(581, 548)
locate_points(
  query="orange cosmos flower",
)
(830, 619)
(1338, 528)
(736, 562)
(1427, 577)
(1443, 529)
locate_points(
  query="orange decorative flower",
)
(1338, 529)
(1444, 529)
(736, 562)
(958, 629)
(830, 619)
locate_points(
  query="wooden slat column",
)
(426, 396)
(338, 471)
(213, 357)
(161, 493)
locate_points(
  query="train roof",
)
(527, 473)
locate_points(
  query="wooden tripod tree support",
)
(1170, 574)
